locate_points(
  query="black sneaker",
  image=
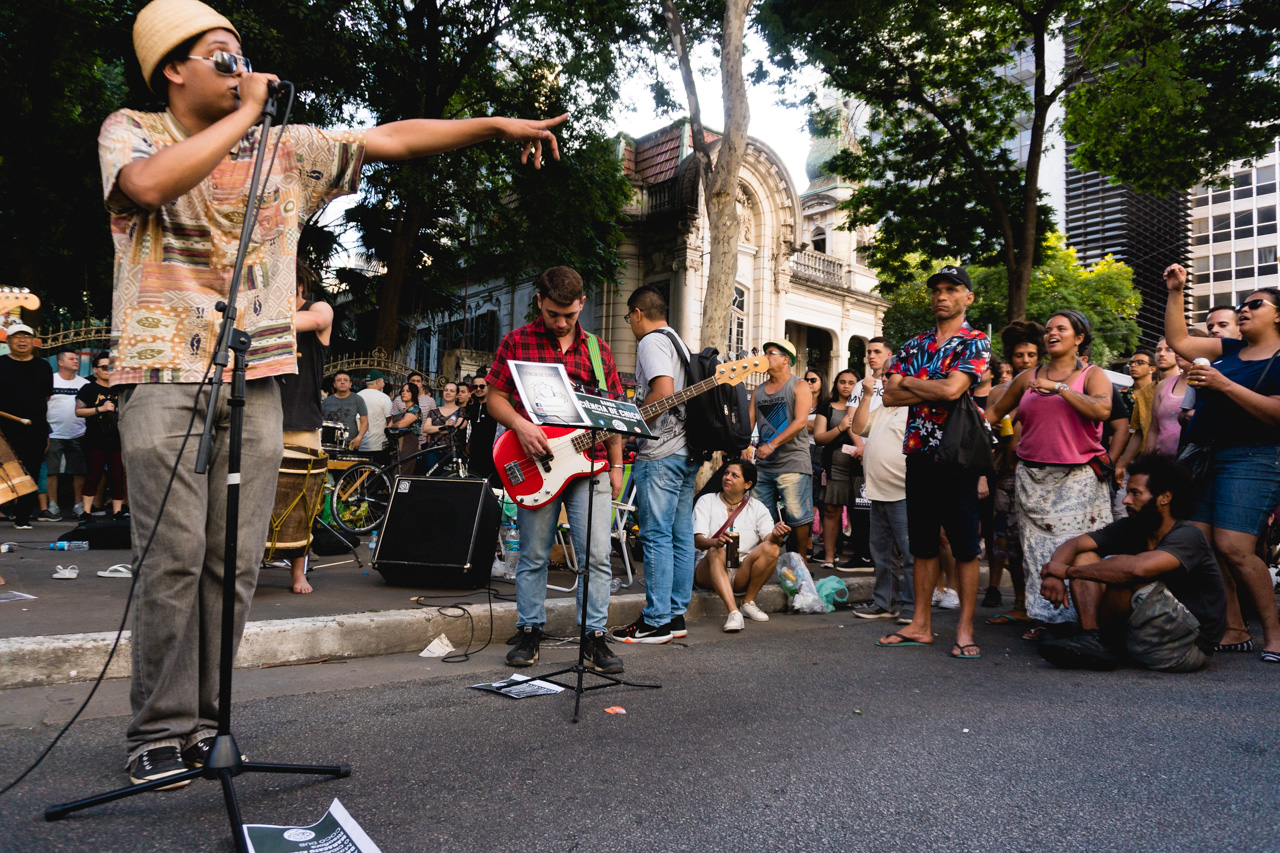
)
(599, 656)
(122, 515)
(526, 651)
(677, 626)
(873, 611)
(157, 763)
(197, 753)
(1084, 650)
(992, 598)
(641, 631)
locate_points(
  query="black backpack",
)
(719, 419)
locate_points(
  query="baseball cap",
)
(374, 376)
(953, 274)
(20, 329)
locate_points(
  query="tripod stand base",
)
(224, 764)
(580, 670)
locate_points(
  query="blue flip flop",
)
(902, 641)
(963, 655)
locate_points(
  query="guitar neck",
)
(652, 410)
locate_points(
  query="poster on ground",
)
(336, 832)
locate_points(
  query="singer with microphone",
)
(555, 336)
(176, 186)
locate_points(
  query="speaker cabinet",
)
(438, 534)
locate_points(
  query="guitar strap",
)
(597, 363)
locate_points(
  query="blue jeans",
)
(664, 506)
(794, 491)
(537, 533)
(891, 553)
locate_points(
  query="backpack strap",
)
(597, 363)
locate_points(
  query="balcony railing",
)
(818, 267)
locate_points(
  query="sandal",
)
(828, 567)
(964, 651)
(1246, 646)
(1036, 633)
(1269, 657)
(67, 574)
(901, 641)
(1009, 619)
(119, 570)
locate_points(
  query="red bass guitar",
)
(533, 482)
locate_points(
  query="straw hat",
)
(162, 25)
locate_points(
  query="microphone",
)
(276, 88)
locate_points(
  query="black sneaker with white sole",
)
(158, 763)
(526, 651)
(1085, 650)
(873, 611)
(641, 631)
(677, 626)
(599, 656)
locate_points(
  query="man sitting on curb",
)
(1147, 583)
(718, 519)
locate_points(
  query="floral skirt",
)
(1054, 504)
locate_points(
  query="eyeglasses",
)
(1255, 304)
(226, 63)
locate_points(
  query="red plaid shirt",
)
(533, 343)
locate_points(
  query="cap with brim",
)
(162, 25)
(374, 376)
(955, 275)
(20, 329)
(784, 345)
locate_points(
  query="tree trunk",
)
(403, 235)
(719, 179)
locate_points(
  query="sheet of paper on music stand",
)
(621, 416)
(547, 394)
(336, 832)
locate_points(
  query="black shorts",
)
(939, 497)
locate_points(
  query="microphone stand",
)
(224, 761)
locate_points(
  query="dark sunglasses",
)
(478, 387)
(1255, 304)
(226, 62)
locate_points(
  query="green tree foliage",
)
(946, 94)
(1178, 90)
(1104, 293)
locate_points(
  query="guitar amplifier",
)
(439, 533)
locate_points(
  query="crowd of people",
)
(67, 433)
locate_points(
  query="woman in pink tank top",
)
(1061, 406)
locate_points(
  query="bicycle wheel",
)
(360, 498)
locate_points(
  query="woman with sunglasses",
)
(1061, 489)
(1238, 420)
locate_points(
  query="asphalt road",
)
(795, 735)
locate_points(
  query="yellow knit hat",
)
(162, 25)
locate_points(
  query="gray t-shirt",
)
(773, 413)
(346, 411)
(656, 356)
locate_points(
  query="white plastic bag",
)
(797, 582)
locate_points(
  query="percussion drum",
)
(14, 479)
(334, 435)
(299, 492)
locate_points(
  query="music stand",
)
(224, 761)
(605, 416)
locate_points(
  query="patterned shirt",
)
(174, 264)
(924, 358)
(533, 342)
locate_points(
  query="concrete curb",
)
(65, 658)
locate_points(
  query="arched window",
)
(738, 324)
(819, 240)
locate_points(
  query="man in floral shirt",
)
(930, 374)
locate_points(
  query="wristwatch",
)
(1061, 386)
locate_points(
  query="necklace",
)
(732, 506)
(1049, 375)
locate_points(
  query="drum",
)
(14, 479)
(334, 435)
(299, 492)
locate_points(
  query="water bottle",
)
(510, 547)
(68, 546)
(373, 541)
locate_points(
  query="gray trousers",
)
(892, 555)
(177, 616)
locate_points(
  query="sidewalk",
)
(66, 631)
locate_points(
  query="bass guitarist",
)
(556, 337)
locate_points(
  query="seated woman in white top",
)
(759, 541)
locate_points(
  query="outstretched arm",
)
(419, 137)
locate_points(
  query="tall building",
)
(1146, 232)
(1233, 235)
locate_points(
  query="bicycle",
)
(361, 495)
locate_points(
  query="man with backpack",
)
(664, 476)
(555, 337)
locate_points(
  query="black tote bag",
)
(966, 440)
